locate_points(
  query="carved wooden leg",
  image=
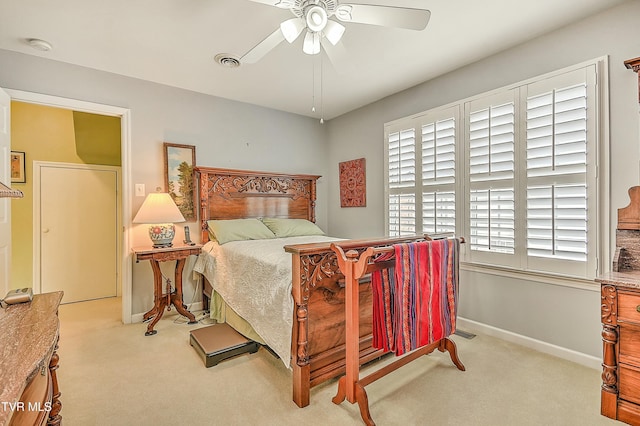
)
(450, 346)
(301, 367)
(55, 418)
(150, 331)
(342, 391)
(363, 403)
(609, 392)
(157, 291)
(176, 299)
(609, 389)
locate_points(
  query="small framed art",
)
(179, 161)
(353, 183)
(18, 168)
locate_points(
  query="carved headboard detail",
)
(238, 194)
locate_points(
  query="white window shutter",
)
(439, 175)
(557, 219)
(401, 169)
(492, 135)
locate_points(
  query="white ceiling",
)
(174, 42)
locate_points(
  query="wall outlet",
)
(140, 190)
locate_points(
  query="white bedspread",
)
(254, 278)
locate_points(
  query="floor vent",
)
(464, 334)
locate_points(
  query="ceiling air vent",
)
(227, 60)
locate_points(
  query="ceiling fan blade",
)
(386, 16)
(338, 56)
(283, 4)
(262, 48)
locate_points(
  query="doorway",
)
(124, 192)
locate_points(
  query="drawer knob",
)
(638, 308)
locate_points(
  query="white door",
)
(78, 230)
(5, 203)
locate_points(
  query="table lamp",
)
(160, 212)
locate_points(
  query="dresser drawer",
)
(628, 307)
(629, 344)
(629, 383)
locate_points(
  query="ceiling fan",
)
(314, 16)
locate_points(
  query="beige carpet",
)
(112, 374)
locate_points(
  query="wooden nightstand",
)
(179, 253)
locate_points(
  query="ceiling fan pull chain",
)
(321, 97)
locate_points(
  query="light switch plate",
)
(140, 190)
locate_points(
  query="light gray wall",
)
(226, 134)
(232, 134)
(558, 315)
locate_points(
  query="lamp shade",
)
(158, 207)
(160, 212)
(333, 31)
(291, 29)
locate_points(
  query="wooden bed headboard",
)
(237, 194)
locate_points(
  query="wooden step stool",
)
(218, 342)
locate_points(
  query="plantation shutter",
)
(557, 169)
(438, 176)
(401, 166)
(491, 141)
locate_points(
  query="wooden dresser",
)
(620, 309)
(29, 393)
(620, 313)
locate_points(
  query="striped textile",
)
(414, 304)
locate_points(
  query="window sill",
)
(564, 281)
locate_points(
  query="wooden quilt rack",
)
(355, 265)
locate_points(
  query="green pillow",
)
(224, 231)
(291, 227)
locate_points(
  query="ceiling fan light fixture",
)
(311, 45)
(333, 31)
(291, 29)
(316, 18)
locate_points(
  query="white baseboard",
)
(538, 345)
(193, 307)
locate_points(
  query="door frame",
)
(125, 197)
(37, 216)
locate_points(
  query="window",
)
(514, 171)
(421, 174)
(559, 169)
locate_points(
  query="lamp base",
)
(162, 235)
(155, 246)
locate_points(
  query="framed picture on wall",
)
(18, 170)
(179, 161)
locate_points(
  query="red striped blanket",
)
(414, 303)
